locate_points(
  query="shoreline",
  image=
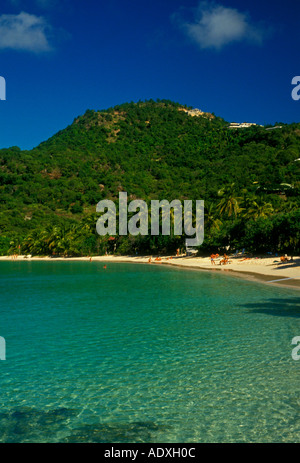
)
(267, 270)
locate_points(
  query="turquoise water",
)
(142, 353)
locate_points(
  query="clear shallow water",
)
(137, 353)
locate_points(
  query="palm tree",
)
(59, 239)
(90, 223)
(230, 202)
(35, 244)
(255, 207)
(211, 218)
(260, 210)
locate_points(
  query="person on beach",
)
(224, 261)
(212, 259)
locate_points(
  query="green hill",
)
(152, 150)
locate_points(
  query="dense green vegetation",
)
(249, 179)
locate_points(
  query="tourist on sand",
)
(224, 261)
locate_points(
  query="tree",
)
(229, 204)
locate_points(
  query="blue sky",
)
(61, 57)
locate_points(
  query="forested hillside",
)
(249, 179)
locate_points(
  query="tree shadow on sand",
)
(289, 264)
(282, 307)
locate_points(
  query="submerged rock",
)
(141, 431)
(27, 424)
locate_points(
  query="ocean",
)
(145, 353)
